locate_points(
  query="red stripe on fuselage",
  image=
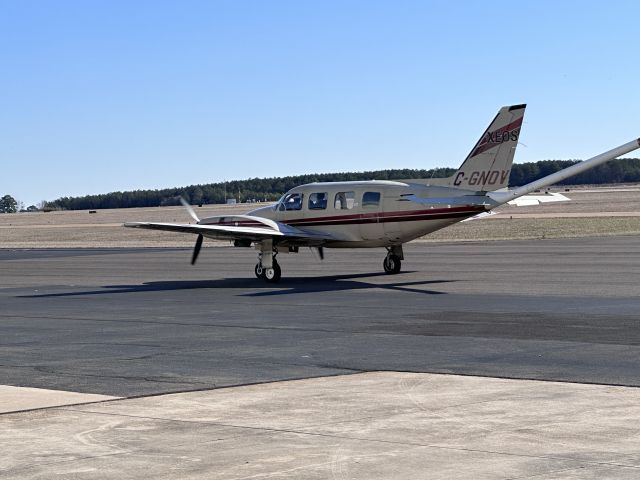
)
(384, 217)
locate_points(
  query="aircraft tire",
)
(259, 271)
(392, 264)
(273, 275)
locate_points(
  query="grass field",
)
(591, 212)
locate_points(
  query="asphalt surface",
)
(138, 322)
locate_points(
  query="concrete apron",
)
(368, 426)
(16, 399)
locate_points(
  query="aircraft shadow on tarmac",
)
(288, 286)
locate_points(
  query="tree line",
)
(270, 189)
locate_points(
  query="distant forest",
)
(270, 189)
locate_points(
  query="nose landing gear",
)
(267, 267)
(272, 274)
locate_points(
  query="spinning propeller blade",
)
(189, 209)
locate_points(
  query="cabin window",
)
(371, 199)
(318, 201)
(291, 201)
(345, 200)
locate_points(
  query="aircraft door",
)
(372, 208)
(392, 230)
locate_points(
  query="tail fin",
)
(488, 166)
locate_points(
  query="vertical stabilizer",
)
(488, 166)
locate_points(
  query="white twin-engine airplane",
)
(382, 213)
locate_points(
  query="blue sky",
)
(98, 96)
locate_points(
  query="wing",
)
(241, 227)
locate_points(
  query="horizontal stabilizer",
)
(528, 200)
(480, 216)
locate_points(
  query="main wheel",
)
(273, 274)
(259, 271)
(392, 264)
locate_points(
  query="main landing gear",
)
(393, 261)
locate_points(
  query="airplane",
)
(377, 213)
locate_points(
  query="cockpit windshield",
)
(290, 201)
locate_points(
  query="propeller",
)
(189, 209)
(196, 249)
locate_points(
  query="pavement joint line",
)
(352, 438)
(348, 371)
(510, 377)
(60, 407)
(191, 390)
(300, 379)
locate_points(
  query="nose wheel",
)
(271, 274)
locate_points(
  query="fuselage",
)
(370, 213)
